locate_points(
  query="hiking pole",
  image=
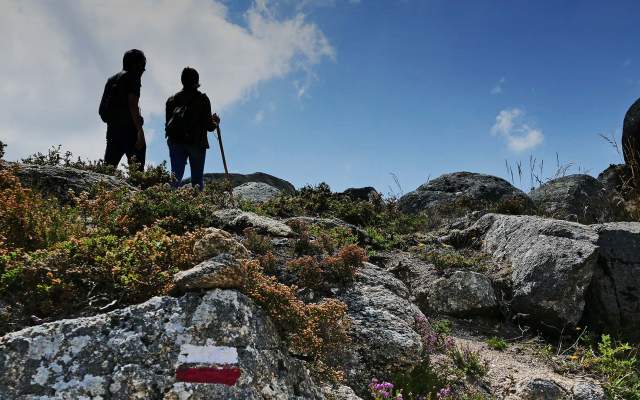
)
(224, 162)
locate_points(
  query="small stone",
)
(221, 272)
(216, 242)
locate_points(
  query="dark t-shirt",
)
(121, 127)
(198, 116)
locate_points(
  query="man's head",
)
(134, 61)
(190, 78)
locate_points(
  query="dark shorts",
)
(120, 145)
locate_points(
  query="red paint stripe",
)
(225, 375)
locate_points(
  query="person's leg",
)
(197, 156)
(113, 153)
(178, 157)
(136, 156)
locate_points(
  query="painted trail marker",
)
(208, 364)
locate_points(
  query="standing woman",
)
(188, 119)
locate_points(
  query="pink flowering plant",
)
(384, 390)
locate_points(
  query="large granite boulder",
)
(613, 303)
(579, 198)
(383, 327)
(54, 180)
(239, 179)
(552, 264)
(156, 350)
(471, 190)
(255, 192)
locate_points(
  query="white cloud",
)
(520, 136)
(497, 89)
(58, 55)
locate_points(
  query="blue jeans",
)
(180, 153)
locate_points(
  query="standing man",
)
(188, 119)
(120, 109)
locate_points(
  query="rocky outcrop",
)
(579, 198)
(255, 192)
(617, 178)
(363, 193)
(383, 326)
(564, 273)
(239, 179)
(552, 264)
(53, 180)
(152, 350)
(471, 190)
(614, 295)
(463, 293)
(329, 223)
(237, 220)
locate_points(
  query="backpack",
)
(108, 102)
(178, 125)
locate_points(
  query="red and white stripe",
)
(208, 364)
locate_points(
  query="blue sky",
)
(415, 88)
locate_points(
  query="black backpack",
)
(178, 125)
(107, 109)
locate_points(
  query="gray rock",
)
(222, 272)
(614, 296)
(384, 336)
(339, 392)
(135, 352)
(416, 274)
(255, 192)
(464, 293)
(579, 198)
(215, 242)
(552, 264)
(476, 191)
(541, 389)
(587, 391)
(238, 220)
(239, 179)
(56, 181)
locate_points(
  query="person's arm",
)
(211, 120)
(134, 110)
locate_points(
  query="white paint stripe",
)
(207, 354)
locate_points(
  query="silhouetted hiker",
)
(188, 119)
(631, 135)
(119, 108)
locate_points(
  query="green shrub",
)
(469, 362)
(497, 343)
(442, 326)
(618, 363)
(445, 259)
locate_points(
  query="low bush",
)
(317, 273)
(469, 362)
(30, 221)
(122, 212)
(316, 331)
(255, 242)
(66, 278)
